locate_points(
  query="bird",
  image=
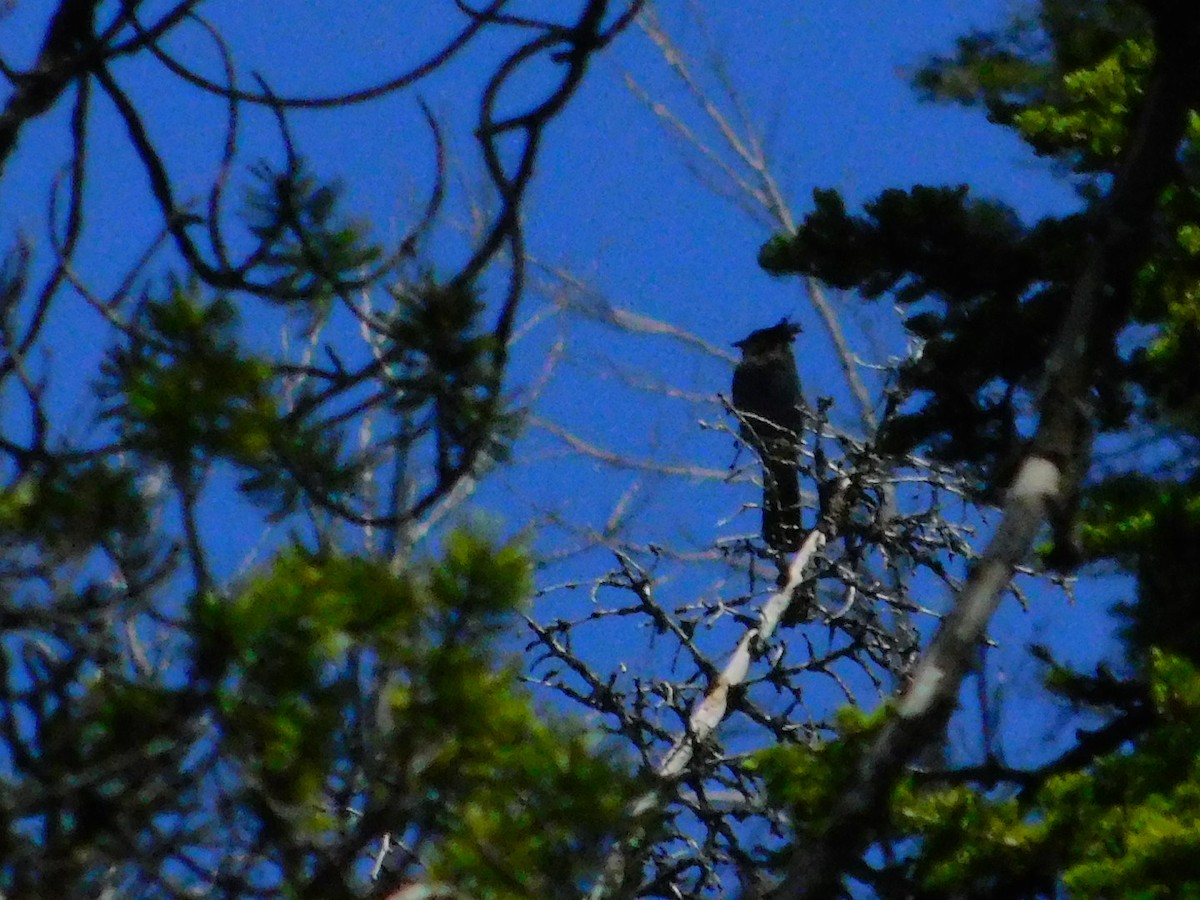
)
(769, 406)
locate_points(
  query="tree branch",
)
(1050, 471)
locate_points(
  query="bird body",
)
(769, 405)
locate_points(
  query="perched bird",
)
(768, 402)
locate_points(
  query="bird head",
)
(779, 335)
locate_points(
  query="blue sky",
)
(613, 203)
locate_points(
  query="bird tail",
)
(781, 507)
